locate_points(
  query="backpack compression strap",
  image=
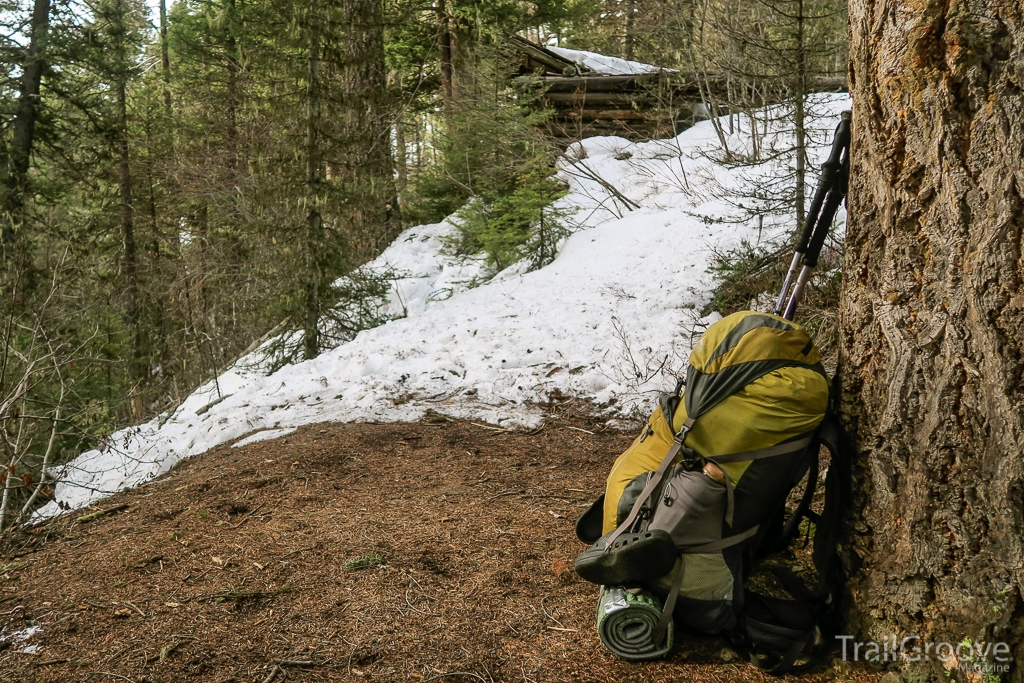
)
(654, 482)
(794, 621)
(677, 584)
(798, 444)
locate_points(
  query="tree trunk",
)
(313, 275)
(444, 43)
(368, 170)
(933, 325)
(165, 58)
(233, 69)
(129, 254)
(23, 135)
(629, 37)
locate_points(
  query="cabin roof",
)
(562, 61)
(603, 65)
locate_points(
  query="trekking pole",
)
(831, 190)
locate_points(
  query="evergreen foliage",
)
(496, 169)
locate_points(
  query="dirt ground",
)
(435, 551)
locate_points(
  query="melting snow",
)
(20, 640)
(609, 322)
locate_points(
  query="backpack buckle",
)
(690, 460)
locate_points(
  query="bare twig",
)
(585, 431)
(493, 429)
(456, 673)
(141, 613)
(413, 608)
(49, 451)
(547, 614)
(509, 492)
(590, 173)
(106, 673)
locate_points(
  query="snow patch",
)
(19, 639)
(608, 322)
(265, 435)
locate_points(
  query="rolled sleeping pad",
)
(626, 621)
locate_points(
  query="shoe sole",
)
(633, 558)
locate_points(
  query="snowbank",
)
(609, 321)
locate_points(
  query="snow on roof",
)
(610, 321)
(603, 65)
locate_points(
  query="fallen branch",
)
(92, 516)
(105, 673)
(504, 493)
(593, 175)
(273, 674)
(301, 663)
(205, 409)
(146, 562)
(141, 613)
(547, 614)
(299, 550)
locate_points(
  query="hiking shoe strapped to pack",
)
(632, 558)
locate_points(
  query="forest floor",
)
(436, 550)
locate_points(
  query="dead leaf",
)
(217, 560)
(173, 604)
(560, 567)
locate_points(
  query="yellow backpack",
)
(704, 486)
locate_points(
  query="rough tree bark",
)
(629, 35)
(933, 324)
(373, 218)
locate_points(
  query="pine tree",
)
(15, 156)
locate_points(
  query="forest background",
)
(179, 184)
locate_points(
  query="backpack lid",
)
(738, 349)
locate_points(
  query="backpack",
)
(700, 495)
